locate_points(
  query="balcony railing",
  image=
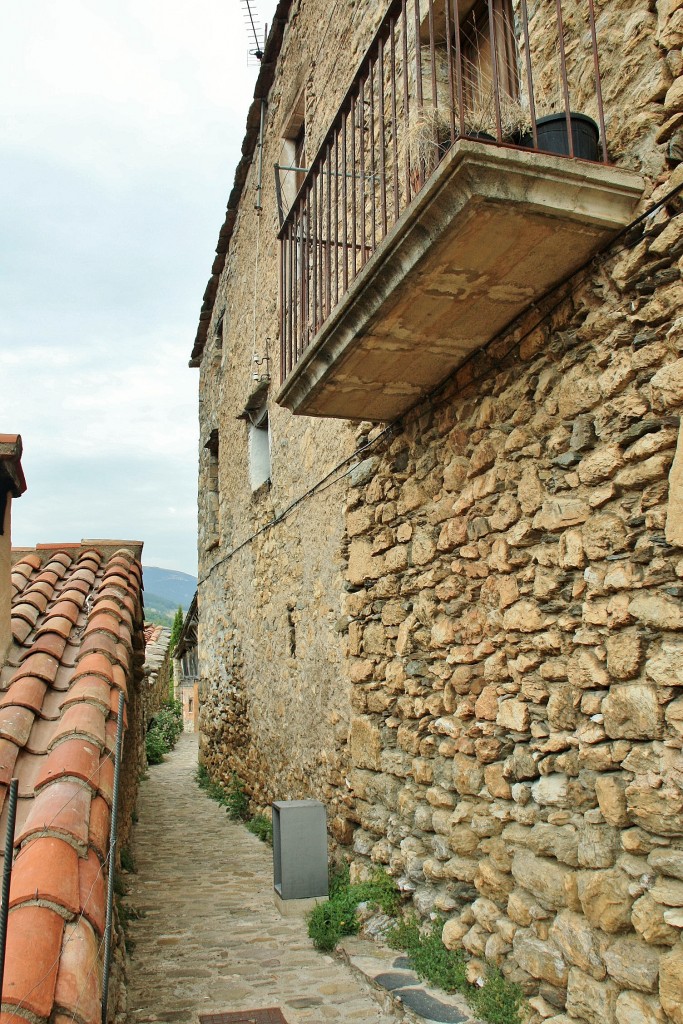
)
(435, 72)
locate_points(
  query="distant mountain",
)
(165, 591)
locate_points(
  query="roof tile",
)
(81, 720)
(59, 808)
(92, 890)
(33, 953)
(95, 664)
(46, 869)
(78, 985)
(102, 642)
(8, 758)
(106, 779)
(27, 692)
(26, 611)
(65, 609)
(20, 629)
(90, 689)
(57, 624)
(15, 724)
(98, 835)
(49, 643)
(73, 758)
(42, 665)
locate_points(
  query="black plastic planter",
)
(553, 136)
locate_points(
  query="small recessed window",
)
(189, 703)
(259, 450)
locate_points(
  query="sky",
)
(120, 129)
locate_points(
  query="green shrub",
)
(169, 722)
(498, 1001)
(236, 800)
(156, 747)
(262, 827)
(329, 921)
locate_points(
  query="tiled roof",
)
(76, 624)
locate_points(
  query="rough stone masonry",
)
(471, 645)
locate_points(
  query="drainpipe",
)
(257, 204)
(112, 854)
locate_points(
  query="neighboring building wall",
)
(470, 648)
(157, 668)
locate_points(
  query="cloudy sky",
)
(120, 128)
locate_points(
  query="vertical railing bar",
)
(432, 61)
(373, 200)
(112, 860)
(458, 67)
(313, 249)
(345, 226)
(361, 169)
(292, 289)
(283, 310)
(336, 220)
(297, 286)
(325, 242)
(328, 250)
(418, 81)
(394, 140)
(598, 83)
(449, 65)
(529, 76)
(563, 72)
(381, 143)
(301, 279)
(494, 70)
(406, 108)
(353, 186)
(306, 325)
(7, 865)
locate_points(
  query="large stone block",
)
(606, 899)
(632, 711)
(579, 943)
(552, 884)
(633, 964)
(365, 742)
(591, 1000)
(671, 983)
(540, 959)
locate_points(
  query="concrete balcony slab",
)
(491, 231)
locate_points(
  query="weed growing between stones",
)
(329, 921)
(262, 828)
(497, 1000)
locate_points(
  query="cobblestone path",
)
(210, 938)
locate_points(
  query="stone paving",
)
(210, 938)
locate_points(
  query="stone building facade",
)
(463, 629)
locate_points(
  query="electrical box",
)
(299, 849)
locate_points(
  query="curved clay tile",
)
(42, 665)
(8, 759)
(31, 562)
(74, 586)
(20, 629)
(91, 889)
(57, 624)
(103, 620)
(36, 591)
(15, 724)
(77, 992)
(26, 611)
(88, 689)
(48, 643)
(61, 558)
(103, 643)
(65, 610)
(27, 692)
(46, 869)
(80, 720)
(86, 575)
(98, 830)
(94, 664)
(34, 952)
(114, 706)
(105, 786)
(61, 808)
(73, 758)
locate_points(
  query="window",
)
(189, 704)
(477, 53)
(259, 449)
(291, 170)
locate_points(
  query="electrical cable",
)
(607, 252)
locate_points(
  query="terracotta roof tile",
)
(91, 888)
(39, 664)
(60, 808)
(48, 643)
(81, 720)
(95, 664)
(98, 833)
(46, 869)
(75, 758)
(90, 690)
(15, 724)
(8, 757)
(27, 692)
(32, 959)
(72, 620)
(78, 988)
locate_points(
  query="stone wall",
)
(470, 645)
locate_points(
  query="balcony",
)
(435, 211)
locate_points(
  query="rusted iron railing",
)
(436, 71)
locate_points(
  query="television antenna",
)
(255, 33)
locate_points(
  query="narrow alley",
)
(209, 938)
